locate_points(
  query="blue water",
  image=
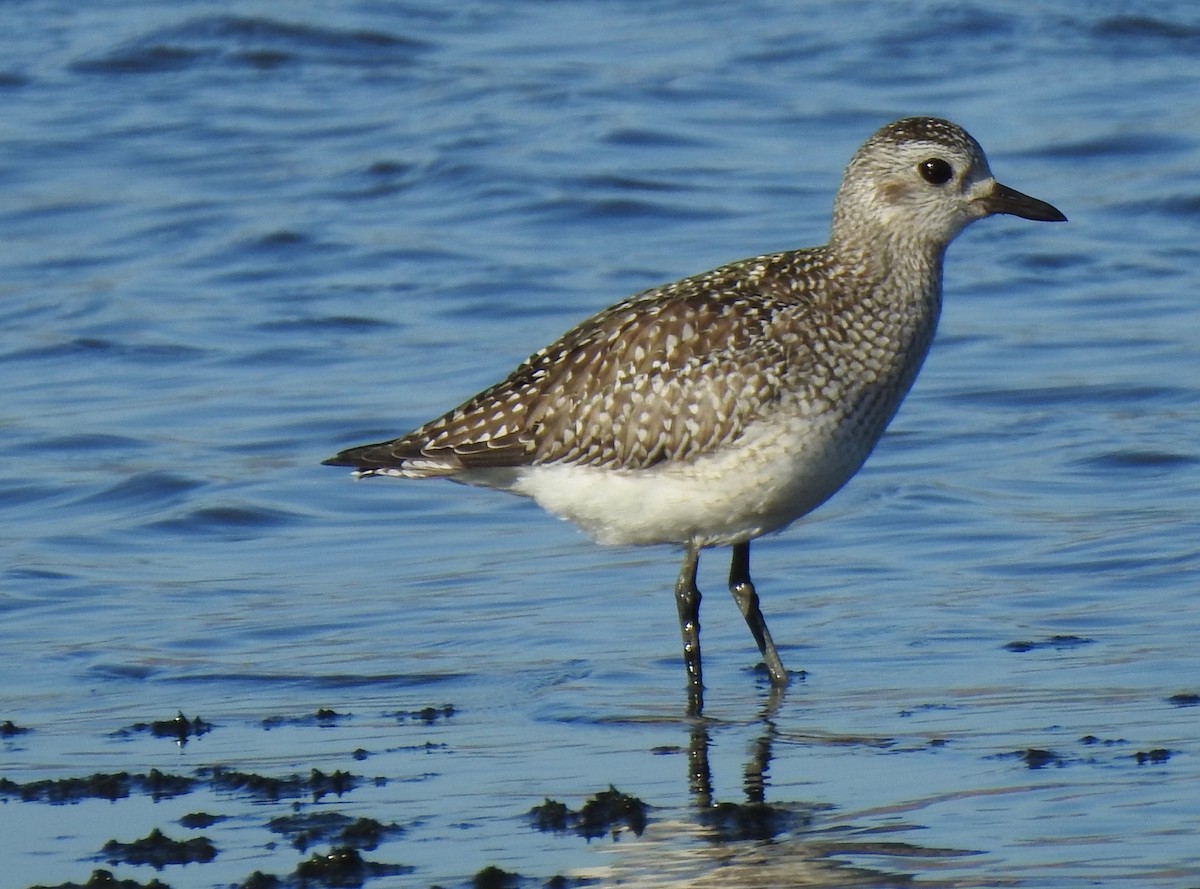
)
(235, 238)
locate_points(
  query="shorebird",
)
(724, 406)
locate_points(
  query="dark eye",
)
(936, 171)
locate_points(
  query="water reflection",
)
(755, 842)
(700, 777)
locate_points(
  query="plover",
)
(725, 406)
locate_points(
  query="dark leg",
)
(687, 600)
(744, 594)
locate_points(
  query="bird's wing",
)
(669, 374)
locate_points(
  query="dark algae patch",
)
(164, 785)
(1053, 642)
(1041, 758)
(1157, 756)
(1091, 740)
(259, 880)
(263, 787)
(367, 833)
(318, 784)
(1036, 758)
(340, 867)
(104, 879)
(102, 785)
(426, 715)
(492, 877)
(200, 820)
(552, 816)
(9, 729)
(69, 790)
(180, 729)
(305, 830)
(607, 811)
(343, 866)
(158, 850)
(325, 717)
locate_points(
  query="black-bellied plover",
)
(725, 406)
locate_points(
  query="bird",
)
(721, 407)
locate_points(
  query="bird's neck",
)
(878, 253)
(896, 270)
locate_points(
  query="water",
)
(235, 238)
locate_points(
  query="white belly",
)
(779, 471)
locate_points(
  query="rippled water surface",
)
(237, 237)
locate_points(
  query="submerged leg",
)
(744, 594)
(687, 600)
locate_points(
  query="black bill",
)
(1008, 200)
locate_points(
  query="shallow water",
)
(235, 239)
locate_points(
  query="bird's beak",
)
(1003, 199)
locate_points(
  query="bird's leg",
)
(744, 594)
(687, 600)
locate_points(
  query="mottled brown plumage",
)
(609, 392)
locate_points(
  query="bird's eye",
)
(936, 171)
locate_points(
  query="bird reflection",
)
(754, 818)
